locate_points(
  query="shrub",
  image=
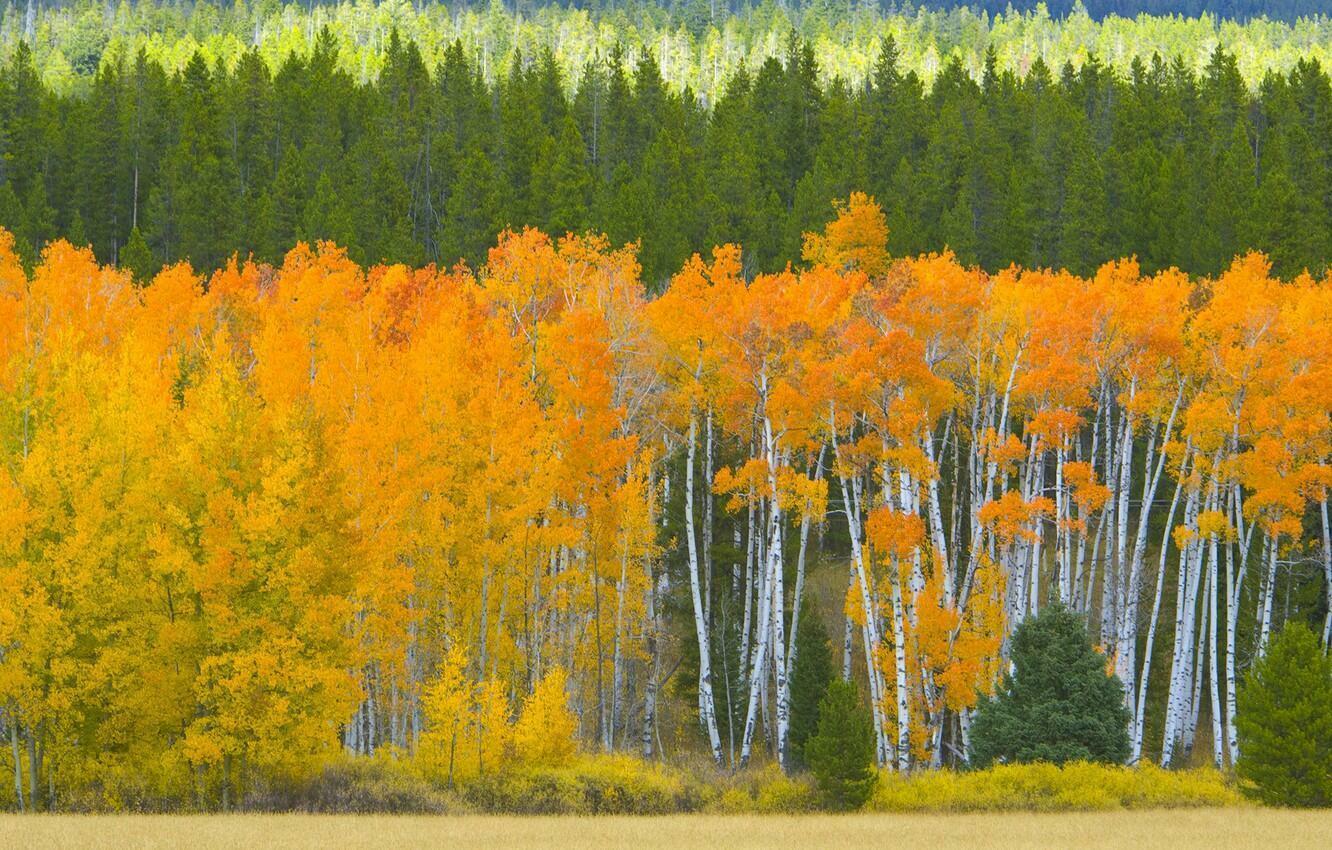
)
(733, 801)
(1059, 706)
(1075, 786)
(592, 785)
(779, 793)
(544, 733)
(1284, 722)
(357, 785)
(447, 705)
(810, 676)
(841, 752)
(764, 790)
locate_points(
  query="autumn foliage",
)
(254, 520)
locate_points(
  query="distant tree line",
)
(1285, 10)
(1060, 167)
(1277, 10)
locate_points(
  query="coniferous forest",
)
(1060, 166)
(438, 420)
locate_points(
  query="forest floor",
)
(1140, 830)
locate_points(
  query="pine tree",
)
(101, 166)
(1059, 704)
(1085, 211)
(28, 140)
(1284, 722)
(76, 233)
(39, 224)
(811, 674)
(202, 172)
(12, 215)
(471, 212)
(563, 184)
(841, 752)
(138, 258)
(327, 217)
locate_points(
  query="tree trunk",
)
(18, 762)
(706, 714)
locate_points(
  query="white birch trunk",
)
(706, 715)
(869, 631)
(1268, 594)
(1327, 573)
(899, 659)
(1141, 708)
(1218, 740)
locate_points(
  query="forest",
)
(698, 46)
(1058, 167)
(475, 423)
(257, 516)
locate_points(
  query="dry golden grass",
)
(1214, 829)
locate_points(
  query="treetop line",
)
(699, 47)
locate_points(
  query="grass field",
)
(1139, 830)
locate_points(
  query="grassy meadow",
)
(1142, 830)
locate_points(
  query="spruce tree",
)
(202, 172)
(328, 218)
(841, 752)
(137, 258)
(39, 224)
(1284, 722)
(77, 233)
(101, 167)
(1059, 704)
(563, 184)
(1085, 209)
(472, 214)
(13, 217)
(811, 673)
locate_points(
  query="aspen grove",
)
(256, 520)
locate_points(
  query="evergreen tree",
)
(731, 162)
(1085, 212)
(26, 123)
(1059, 703)
(137, 258)
(202, 173)
(471, 212)
(249, 120)
(841, 752)
(564, 186)
(521, 135)
(1284, 721)
(13, 217)
(289, 196)
(39, 217)
(101, 173)
(146, 114)
(812, 672)
(76, 233)
(328, 217)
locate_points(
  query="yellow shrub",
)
(544, 733)
(764, 790)
(1045, 787)
(587, 785)
(733, 801)
(778, 793)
